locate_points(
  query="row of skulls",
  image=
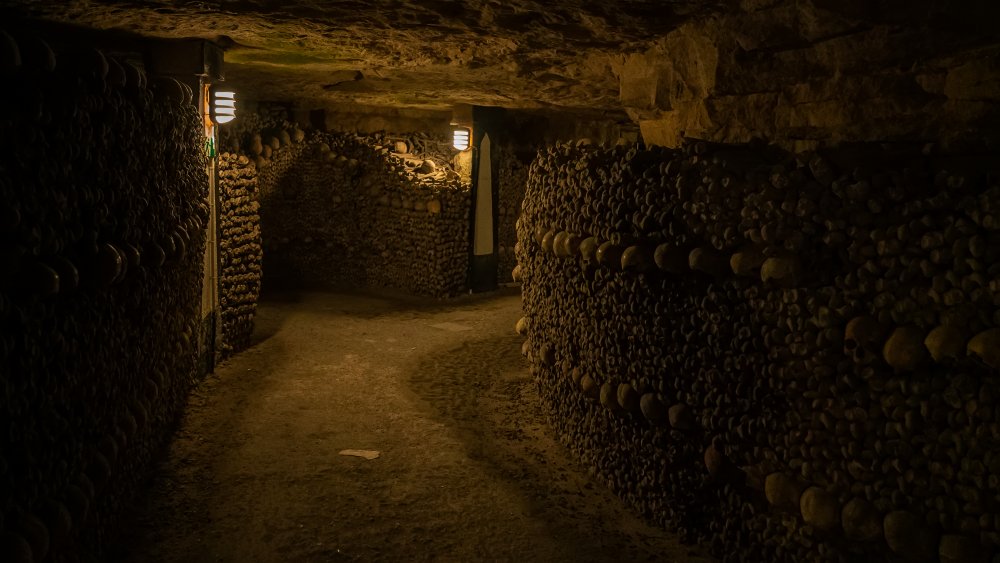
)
(786, 357)
(102, 227)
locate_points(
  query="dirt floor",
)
(468, 469)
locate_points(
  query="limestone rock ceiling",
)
(427, 53)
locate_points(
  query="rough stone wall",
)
(344, 211)
(787, 358)
(240, 251)
(101, 236)
(365, 120)
(805, 73)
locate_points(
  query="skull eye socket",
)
(850, 344)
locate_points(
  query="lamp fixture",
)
(462, 138)
(223, 106)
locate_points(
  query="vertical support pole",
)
(197, 63)
(484, 257)
(483, 260)
(210, 281)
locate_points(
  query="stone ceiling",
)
(417, 53)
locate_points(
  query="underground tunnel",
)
(688, 280)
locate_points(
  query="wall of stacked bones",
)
(240, 251)
(340, 210)
(512, 177)
(785, 357)
(101, 238)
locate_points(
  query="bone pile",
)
(511, 182)
(782, 357)
(342, 211)
(102, 220)
(240, 251)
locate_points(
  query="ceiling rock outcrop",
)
(802, 73)
(809, 72)
(427, 53)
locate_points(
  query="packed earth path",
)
(467, 469)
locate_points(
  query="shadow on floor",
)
(483, 392)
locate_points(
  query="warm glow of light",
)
(223, 106)
(461, 141)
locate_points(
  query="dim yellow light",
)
(223, 106)
(461, 140)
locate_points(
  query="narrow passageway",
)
(468, 469)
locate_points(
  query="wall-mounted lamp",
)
(223, 106)
(462, 138)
